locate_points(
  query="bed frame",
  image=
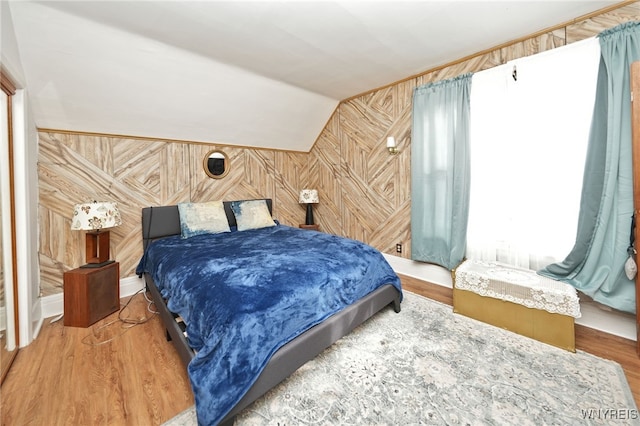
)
(164, 221)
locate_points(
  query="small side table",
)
(91, 294)
(315, 227)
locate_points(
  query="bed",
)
(246, 307)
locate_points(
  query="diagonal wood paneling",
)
(592, 27)
(534, 45)
(364, 191)
(374, 182)
(291, 175)
(74, 168)
(324, 175)
(204, 188)
(375, 203)
(78, 168)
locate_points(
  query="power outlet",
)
(398, 248)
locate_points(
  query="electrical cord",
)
(126, 322)
(150, 302)
(141, 320)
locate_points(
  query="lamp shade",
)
(95, 215)
(391, 142)
(308, 196)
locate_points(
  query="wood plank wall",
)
(135, 173)
(364, 191)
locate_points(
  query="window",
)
(529, 129)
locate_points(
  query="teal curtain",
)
(595, 265)
(440, 171)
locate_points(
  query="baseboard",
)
(54, 305)
(593, 316)
(423, 271)
(36, 325)
(616, 323)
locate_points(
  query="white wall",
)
(25, 144)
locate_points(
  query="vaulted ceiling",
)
(250, 73)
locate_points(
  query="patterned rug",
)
(427, 365)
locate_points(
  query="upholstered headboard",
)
(164, 221)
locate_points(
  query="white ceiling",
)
(262, 73)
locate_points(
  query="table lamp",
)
(309, 197)
(95, 217)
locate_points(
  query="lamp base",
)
(309, 218)
(97, 247)
(97, 265)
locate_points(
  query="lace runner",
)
(517, 285)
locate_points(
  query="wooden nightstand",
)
(315, 227)
(91, 294)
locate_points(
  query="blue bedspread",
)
(245, 294)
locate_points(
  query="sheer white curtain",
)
(528, 139)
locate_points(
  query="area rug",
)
(427, 365)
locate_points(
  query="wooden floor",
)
(66, 377)
(109, 375)
(6, 357)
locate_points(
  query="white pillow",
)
(252, 214)
(202, 218)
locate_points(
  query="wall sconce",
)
(95, 217)
(391, 145)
